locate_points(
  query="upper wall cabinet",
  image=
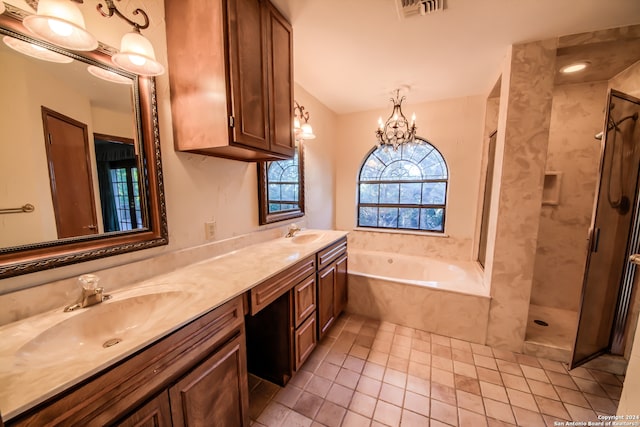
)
(230, 70)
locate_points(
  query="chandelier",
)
(397, 130)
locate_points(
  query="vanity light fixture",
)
(574, 68)
(301, 130)
(35, 51)
(397, 130)
(60, 22)
(107, 75)
(136, 52)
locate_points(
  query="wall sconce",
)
(60, 22)
(301, 130)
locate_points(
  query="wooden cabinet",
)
(136, 392)
(155, 413)
(212, 394)
(340, 297)
(326, 285)
(305, 341)
(231, 78)
(332, 284)
(281, 330)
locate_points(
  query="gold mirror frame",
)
(30, 258)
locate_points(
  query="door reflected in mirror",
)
(84, 149)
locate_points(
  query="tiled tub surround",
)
(370, 373)
(443, 297)
(27, 379)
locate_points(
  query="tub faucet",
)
(91, 293)
(293, 229)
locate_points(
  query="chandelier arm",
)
(113, 10)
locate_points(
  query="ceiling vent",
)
(409, 8)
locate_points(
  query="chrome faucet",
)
(293, 229)
(91, 293)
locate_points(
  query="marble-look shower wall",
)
(521, 151)
(576, 116)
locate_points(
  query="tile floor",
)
(370, 373)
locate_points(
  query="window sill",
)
(409, 232)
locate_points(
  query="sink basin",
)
(303, 238)
(102, 326)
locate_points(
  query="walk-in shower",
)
(615, 234)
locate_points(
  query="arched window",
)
(404, 189)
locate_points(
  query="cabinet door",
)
(305, 341)
(248, 73)
(155, 413)
(304, 300)
(340, 290)
(215, 392)
(326, 283)
(280, 71)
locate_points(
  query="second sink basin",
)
(306, 237)
(101, 326)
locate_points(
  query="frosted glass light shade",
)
(60, 22)
(2, 8)
(307, 131)
(137, 56)
(107, 75)
(35, 51)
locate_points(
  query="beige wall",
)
(199, 188)
(576, 116)
(114, 123)
(319, 177)
(454, 127)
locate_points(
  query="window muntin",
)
(283, 184)
(404, 189)
(281, 188)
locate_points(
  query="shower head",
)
(614, 125)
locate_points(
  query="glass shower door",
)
(608, 274)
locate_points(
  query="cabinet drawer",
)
(304, 298)
(305, 341)
(271, 289)
(329, 254)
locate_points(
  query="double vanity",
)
(174, 349)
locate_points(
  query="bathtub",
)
(444, 297)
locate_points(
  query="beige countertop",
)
(45, 354)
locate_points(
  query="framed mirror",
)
(80, 168)
(281, 188)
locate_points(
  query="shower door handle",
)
(595, 239)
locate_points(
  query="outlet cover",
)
(209, 230)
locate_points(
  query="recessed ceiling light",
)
(574, 68)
